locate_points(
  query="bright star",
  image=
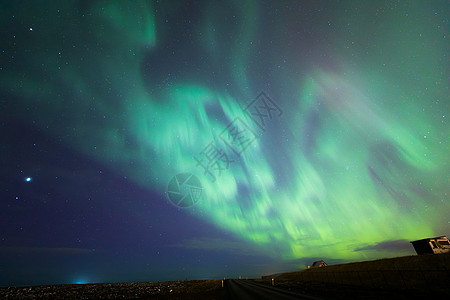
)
(28, 179)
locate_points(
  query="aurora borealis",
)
(103, 102)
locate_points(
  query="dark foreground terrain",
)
(192, 289)
(409, 277)
(343, 291)
(206, 289)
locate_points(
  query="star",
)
(28, 179)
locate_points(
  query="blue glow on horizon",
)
(80, 281)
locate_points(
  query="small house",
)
(434, 245)
(319, 264)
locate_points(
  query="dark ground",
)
(194, 289)
(340, 291)
(411, 277)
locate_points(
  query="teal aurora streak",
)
(359, 156)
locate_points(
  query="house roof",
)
(319, 262)
(427, 239)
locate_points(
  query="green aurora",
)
(358, 157)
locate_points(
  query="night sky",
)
(166, 140)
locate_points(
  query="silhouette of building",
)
(319, 264)
(434, 245)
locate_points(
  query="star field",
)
(317, 130)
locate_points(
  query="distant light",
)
(28, 179)
(79, 282)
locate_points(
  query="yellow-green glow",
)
(359, 156)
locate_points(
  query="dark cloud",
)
(393, 245)
(47, 250)
(218, 244)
